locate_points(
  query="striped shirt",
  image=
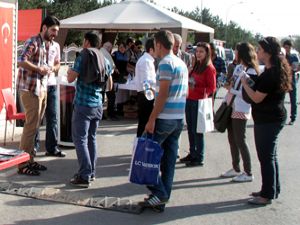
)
(34, 51)
(172, 68)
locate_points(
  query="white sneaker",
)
(243, 177)
(230, 173)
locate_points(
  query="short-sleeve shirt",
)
(172, 68)
(271, 109)
(87, 94)
(53, 58)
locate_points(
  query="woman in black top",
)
(269, 115)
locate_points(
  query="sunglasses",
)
(266, 41)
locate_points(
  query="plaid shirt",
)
(88, 94)
(34, 51)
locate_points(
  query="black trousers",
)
(266, 138)
(111, 98)
(144, 110)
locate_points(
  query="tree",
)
(33, 4)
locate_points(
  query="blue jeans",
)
(85, 121)
(293, 98)
(196, 140)
(166, 133)
(266, 138)
(51, 122)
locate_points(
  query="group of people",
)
(178, 80)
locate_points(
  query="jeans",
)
(166, 133)
(51, 122)
(266, 138)
(196, 140)
(144, 110)
(85, 121)
(293, 98)
(238, 145)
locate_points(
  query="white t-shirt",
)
(53, 58)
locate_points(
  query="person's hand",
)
(149, 128)
(228, 85)
(43, 70)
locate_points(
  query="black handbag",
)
(223, 115)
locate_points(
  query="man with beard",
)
(32, 86)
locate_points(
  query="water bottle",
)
(149, 94)
(250, 82)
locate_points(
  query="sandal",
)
(37, 166)
(27, 170)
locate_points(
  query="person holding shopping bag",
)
(241, 113)
(202, 83)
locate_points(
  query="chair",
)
(11, 110)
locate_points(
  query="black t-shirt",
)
(271, 109)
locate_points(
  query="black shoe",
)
(37, 166)
(260, 201)
(56, 153)
(113, 118)
(154, 203)
(185, 159)
(194, 163)
(79, 182)
(255, 194)
(291, 122)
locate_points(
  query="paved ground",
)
(199, 196)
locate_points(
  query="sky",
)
(267, 17)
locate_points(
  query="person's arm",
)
(160, 101)
(211, 81)
(56, 65)
(72, 75)
(30, 49)
(256, 96)
(27, 65)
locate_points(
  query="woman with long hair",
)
(269, 115)
(241, 113)
(202, 83)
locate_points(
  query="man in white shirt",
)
(53, 61)
(145, 71)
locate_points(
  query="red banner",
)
(29, 23)
(6, 48)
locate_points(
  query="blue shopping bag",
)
(145, 162)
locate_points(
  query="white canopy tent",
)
(135, 16)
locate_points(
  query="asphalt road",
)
(199, 195)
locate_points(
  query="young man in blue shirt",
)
(87, 106)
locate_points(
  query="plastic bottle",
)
(149, 94)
